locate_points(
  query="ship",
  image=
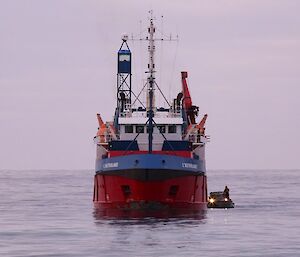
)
(150, 157)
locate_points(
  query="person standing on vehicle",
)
(226, 192)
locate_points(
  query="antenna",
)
(151, 59)
(151, 74)
(151, 79)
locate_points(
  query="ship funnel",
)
(178, 98)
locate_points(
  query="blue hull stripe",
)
(150, 161)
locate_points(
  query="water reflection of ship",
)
(150, 158)
(109, 213)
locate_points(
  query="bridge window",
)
(124, 57)
(139, 129)
(172, 129)
(128, 129)
(161, 128)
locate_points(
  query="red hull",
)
(116, 192)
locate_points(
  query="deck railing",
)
(199, 139)
(103, 139)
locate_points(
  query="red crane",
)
(190, 109)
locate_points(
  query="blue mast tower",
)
(124, 76)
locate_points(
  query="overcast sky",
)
(58, 69)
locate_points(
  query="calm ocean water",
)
(50, 213)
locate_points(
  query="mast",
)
(124, 90)
(151, 79)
